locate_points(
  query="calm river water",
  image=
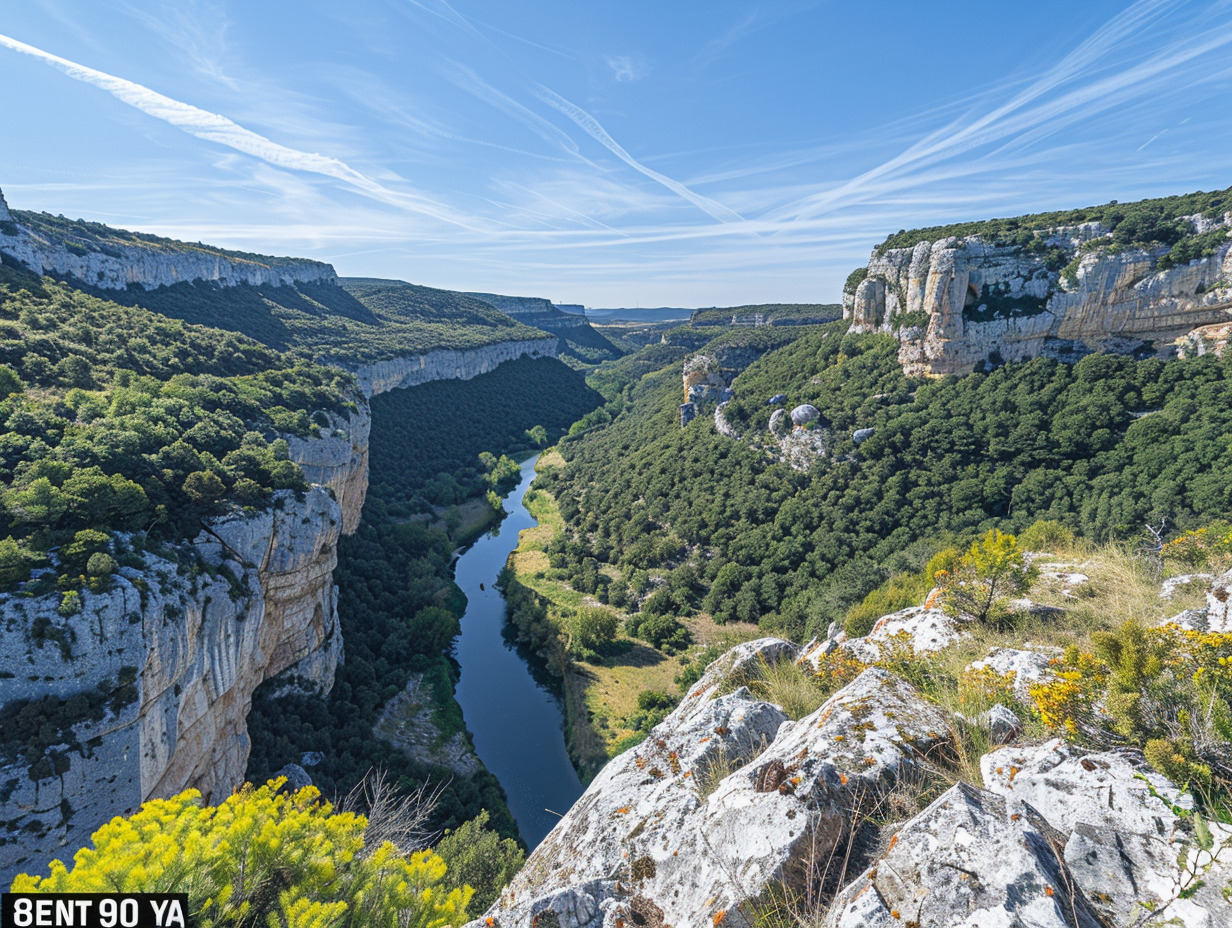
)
(517, 723)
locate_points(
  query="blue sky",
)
(606, 153)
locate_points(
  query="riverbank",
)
(515, 722)
(605, 711)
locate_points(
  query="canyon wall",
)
(47, 245)
(958, 305)
(446, 364)
(143, 689)
(534, 311)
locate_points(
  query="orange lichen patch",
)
(640, 761)
(840, 737)
(1014, 771)
(719, 916)
(1048, 891)
(489, 921)
(688, 773)
(722, 730)
(870, 761)
(704, 740)
(795, 781)
(893, 841)
(842, 778)
(894, 913)
(621, 811)
(1015, 817)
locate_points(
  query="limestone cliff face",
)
(957, 305)
(447, 364)
(129, 261)
(338, 458)
(155, 676)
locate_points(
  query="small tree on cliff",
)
(991, 571)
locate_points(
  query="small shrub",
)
(1046, 535)
(992, 571)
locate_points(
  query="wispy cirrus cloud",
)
(1097, 77)
(595, 130)
(626, 68)
(213, 127)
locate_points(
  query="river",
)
(517, 724)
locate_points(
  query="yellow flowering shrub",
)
(1167, 690)
(979, 690)
(1201, 546)
(261, 858)
(1067, 702)
(836, 670)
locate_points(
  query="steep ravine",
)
(146, 686)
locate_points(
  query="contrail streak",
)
(215, 128)
(592, 128)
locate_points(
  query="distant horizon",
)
(663, 156)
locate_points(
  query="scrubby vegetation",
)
(121, 420)
(94, 236)
(1099, 447)
(1145, 222)
(355, 321)
(262, 857)
(771, 313)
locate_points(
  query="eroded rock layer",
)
(957, 305)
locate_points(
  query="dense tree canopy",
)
(1101, 446)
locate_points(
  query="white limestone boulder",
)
(1123, 834)
(926, 630)
(970, 860)
(1029, 667)
(654, 837)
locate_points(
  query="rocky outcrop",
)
(969, 859)
(917, 629)
(447, 364)
(47, 245)
(1125, 842)
(143, 689)
(957, 305)
(337, 457)
(666, 832)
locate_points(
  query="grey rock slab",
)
(654, 824)
(970, 860)
(1123, 838)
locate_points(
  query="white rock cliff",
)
(957, 304)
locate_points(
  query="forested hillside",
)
(397, 602)
(357, 320)
(1144, 222)
(1102, 446)
(119, 419)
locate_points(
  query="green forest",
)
(1102, 446)
(397, 602)
(1144, 222)
(354, 321)
(117, 419)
